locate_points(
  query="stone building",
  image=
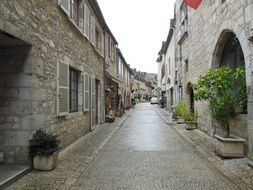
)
(112, 80)
(218, 33)
(52, 71)
(124, 73)
(168, 71)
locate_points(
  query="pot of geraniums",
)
(44, 149)
(225, 89)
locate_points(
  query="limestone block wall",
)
(43, 25)
(15, 102)
(207, 28)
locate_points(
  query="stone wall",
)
(15, 102)
(52, 36)
(207, 30)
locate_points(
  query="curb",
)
(14, 178)
(212, 159)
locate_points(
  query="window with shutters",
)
(183, 22)
(77, 13)
(62, 88)
(97, 38)
(86, 21)
(111, 49)
(73, 90)
(65, 5)
(86, 92)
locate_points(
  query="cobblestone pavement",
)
(145, 153)
(73, 161)
(236, 170)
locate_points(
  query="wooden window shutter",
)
(65, 5)
(93, 101)
(86, 91)
(102, 45)
(86, 21)
(92, 31)
(102, 102)
(62, 88)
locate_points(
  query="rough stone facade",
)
(38, 34)
(207, 30)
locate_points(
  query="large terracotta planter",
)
(45, 162)
(232, 147)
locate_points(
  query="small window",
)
(73, 90)
(223, 1)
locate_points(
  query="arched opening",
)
(190, 96)
(229, 53)
(232, 54)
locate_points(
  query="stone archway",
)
(218, 42)
(228, 51)
(231, 34)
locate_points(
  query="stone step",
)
(11, 173)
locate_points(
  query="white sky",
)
(139, 26)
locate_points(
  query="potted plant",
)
(44, 148)
(225, 89)
(190, 120)
(180, 111)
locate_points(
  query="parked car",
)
(154, 100)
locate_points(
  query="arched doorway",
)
(232, 54)
(190, 96)
(229, 53)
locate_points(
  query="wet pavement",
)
(144, 153)
(239, 170)
(147, 154)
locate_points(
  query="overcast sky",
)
(139, 26)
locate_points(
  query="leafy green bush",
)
(43, 143)
(225, 90)
(181, 108)
(190, 117)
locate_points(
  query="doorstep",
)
(10, 173)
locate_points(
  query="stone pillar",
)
(250, 122)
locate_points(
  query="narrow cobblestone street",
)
(144, 153)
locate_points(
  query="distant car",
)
(154, 100)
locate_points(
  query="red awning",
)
(193, 3)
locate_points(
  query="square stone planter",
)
(232, 147)
(190, 125)
(45, 162)
(180, 120)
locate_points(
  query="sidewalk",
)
(237, 170)
(73, 160)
